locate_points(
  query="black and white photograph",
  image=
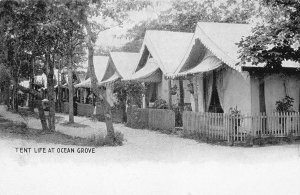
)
(149, 97)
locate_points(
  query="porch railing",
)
(236, 128)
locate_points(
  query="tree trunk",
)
(7, 95)
(94, 85)
(59, 91)
(42, 115)
(101, 94)
(70, 82)
(15, 98)
(31, 82)
(50, 89)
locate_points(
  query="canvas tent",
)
(120, 66)
(83, 88)
(100, 64)
(219, 80)
(160, 55)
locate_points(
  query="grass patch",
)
(3, 120)
(74, 125)
(19, 130)
(25, 114)
(202, 138)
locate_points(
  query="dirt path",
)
(148, 163)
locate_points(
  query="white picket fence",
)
(236, 128)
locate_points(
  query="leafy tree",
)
(183, 16)
(277, 38)
(113, 10)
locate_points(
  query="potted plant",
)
(284, 105)
(190, 88)
(174, 90)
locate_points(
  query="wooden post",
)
(144, 96)
(181, 95)
(169, 93)
(195, 86)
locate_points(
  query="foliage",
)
(160, 104)
(234, 112)
(130, 91)
(173, 90)
(99, 140)
(260, 141)
(285, 105)
(275, 40)
(183, 16)
(290, 138)
(44, 30)
(202, 137)
(190, 87)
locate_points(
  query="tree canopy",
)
(276, 39)
(183, 16)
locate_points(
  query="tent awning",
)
(111, 79)
(149, 73)
(208, 64)
(84, 84)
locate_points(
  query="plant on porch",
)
(285, 104)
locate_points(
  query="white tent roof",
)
(100, 65)
(120, 66)
(84, 84)
(221, 40)
(166, 47)
(124, 62)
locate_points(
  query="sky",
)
(111, 37)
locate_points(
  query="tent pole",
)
(169, 93)
(196, 94)
(144, 96)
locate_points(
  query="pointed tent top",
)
(166, 47)
(221, 40)
(100, 64)
(124, 62)
(120, 66)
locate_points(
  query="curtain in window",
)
(221, 80)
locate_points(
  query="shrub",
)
(97, 140)
(259, 141)
(249, 140)
(115, 141)
(290, 138)
(160, 104)
(272, 140)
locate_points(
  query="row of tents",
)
(206, 65)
